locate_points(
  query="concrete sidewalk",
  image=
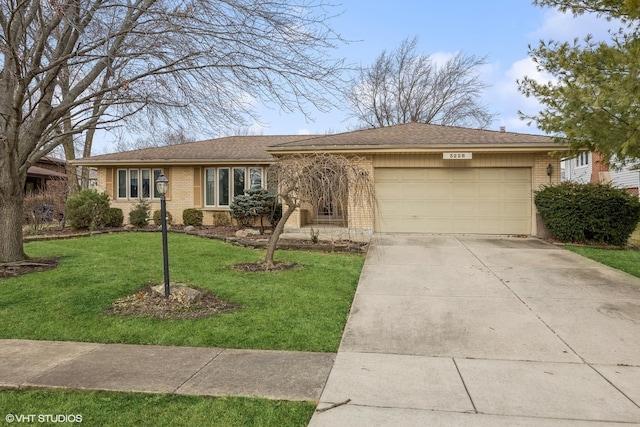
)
(472, 331)
(281, 375)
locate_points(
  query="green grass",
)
(138, 409)
(626, 260)
(634, 239)
(302, 309)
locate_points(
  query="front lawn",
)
(626, 260)
(138, 409)
(302, 309)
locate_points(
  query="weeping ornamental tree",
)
(69, 67)
(310, 179)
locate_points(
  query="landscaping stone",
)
(181, 291)
(189, 228)
(247, 232)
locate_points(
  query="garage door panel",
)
(439, 225)
(437, 192)
(411, 206)
(437, 174)
(454, 200)
(463, 208)
(415, 174)
(489, 208)
(464, 174)
(517, 209)
(464, 190)
(518, 174)
(518, 192)
(412, 190)
(436, 208)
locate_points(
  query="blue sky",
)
(499, 29)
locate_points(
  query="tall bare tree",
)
(155, 139)
(403, 87)
(68, 67)
(314, 178)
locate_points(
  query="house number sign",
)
(457, 156)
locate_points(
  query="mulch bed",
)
(147, 303)
(13, 269)
(256, 267)
(224, 233)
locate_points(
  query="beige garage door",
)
(454, 200)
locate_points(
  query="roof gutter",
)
(379, 149)
(171, 162)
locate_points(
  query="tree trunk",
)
(11, 245)
(275, 236)
(70, 155)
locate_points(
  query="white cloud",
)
(566, 27)
(441, 58)
(506, 100)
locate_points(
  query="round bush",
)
(86, 209)
(157, 219)
(588, 212)
(140, 214)
(192, 217)
(113, 217)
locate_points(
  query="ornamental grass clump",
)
(592, 212)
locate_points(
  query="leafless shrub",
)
(45, 206)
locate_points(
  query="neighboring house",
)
(591, 167)
(46, 169)
(428, 178)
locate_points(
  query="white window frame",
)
(126, 184)
(247, 170)
(153, 175)
(582, 160)
(214, 184)
(218, 189)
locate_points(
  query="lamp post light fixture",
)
(162, 185)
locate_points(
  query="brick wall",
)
(360, 217)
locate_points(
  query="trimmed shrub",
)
(139, 215)
(113, 217)
(157, 219)
(221, 219)
(192, 217)
(86, 209)
(588, 212)
(254, 204)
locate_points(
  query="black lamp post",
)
(162, 185)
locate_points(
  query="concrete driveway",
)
(480, 331)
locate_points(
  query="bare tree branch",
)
(72, 66)
(402, 87)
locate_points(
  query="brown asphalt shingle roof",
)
(38, 171)
(253, 149)
(233, 148)
(416, 134)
